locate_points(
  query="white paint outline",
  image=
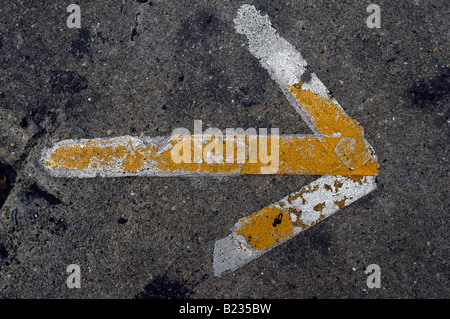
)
(286, 66)
(233, 252)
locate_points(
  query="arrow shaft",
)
(188, 155)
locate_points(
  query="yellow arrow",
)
(337, 150)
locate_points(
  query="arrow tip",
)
(231, 253)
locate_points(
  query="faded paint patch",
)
(319, 207)
(240, 247)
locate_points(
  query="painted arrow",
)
(337, 149)
(132, 156)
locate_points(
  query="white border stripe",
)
(233, 252)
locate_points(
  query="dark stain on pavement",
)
(216, 79)
(425, 94)
(319, 238)
(60, 225)
(3, 252)
(67, 81)
(162, 287)
(81, 47)
(35, 192)
(7, 177)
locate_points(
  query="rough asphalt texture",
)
(148, 67)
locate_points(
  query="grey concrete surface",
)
(148, 67)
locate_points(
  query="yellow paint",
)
(81, 156)
(240, 246)
(297, 156)
(261, 230)
(352, 152)
(341, 150)
(326, 116)
(331, 119)
(258, 228)
(360, 179)
(337, 184)
(341, 203)
(298, 222)
(319, 207)
(304, 190)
